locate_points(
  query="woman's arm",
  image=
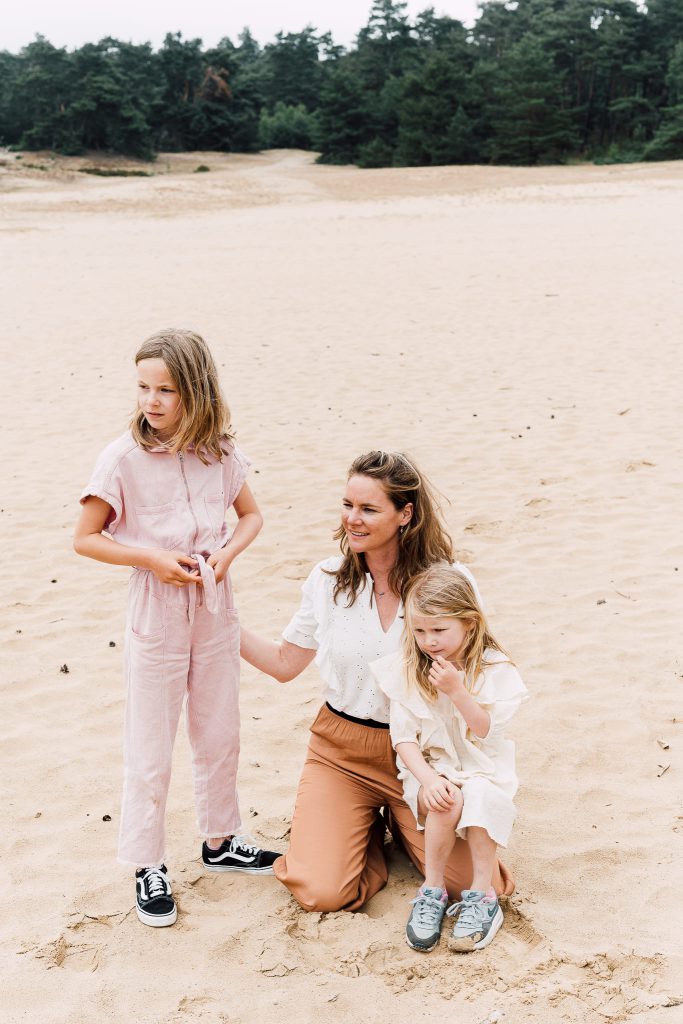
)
(283, 661)
(89, 541)
(249, 523)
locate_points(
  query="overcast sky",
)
(74, 22)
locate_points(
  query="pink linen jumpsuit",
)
(179, 640)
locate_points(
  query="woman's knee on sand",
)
(323, 895)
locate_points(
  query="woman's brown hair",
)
(422, 542)
(205, 416)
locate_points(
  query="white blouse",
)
(347, 640)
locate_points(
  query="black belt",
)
(370, 722)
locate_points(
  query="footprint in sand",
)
(201, 1008)
(81, 946)
(490, 528)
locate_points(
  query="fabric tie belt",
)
(209, 588)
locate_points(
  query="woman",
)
(351, 614)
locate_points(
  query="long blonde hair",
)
(444, 592)
(205, 416)
(422, 541)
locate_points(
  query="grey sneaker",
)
(424, 924)
(479, 920)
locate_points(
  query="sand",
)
(519, 332)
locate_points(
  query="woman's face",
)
(370, 518)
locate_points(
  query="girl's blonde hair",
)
(422, 541)
(205, 416)
(444, 592)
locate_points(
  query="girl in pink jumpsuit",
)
(157, 501)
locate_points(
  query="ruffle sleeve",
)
(390, 677)
(467, 573)
(501, 692)
(404, 727)
(407, 710)
(303, 629)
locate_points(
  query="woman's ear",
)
(406, 513)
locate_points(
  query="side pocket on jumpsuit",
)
(146, 634)
(232, 630)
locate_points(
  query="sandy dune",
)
(519, 332)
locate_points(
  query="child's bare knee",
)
(448, 816)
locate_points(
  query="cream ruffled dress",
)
(483, 768)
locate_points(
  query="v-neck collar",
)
(374, 607)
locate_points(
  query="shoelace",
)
(472, 914)
(428, 910)
(247, 843)
(155, 883)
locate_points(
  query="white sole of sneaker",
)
(422, 949)
(465, 945)
(245, 871)
(157, 920)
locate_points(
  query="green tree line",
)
(533, 81)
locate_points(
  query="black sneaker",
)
(238, 854)
(155, 904)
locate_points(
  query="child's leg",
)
(483, 851)
(156, 663)
(440, 829)
(480, 916)
(213, 726)
(213, 720)
(423, 929)
(487, 812)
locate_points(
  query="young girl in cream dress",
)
(452, 690)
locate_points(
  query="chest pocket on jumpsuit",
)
(159, 525)
(215, 511)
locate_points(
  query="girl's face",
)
(158, 397)
(436, 635)
(370, 518)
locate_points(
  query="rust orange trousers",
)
(336, 856)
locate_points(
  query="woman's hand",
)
(220, 561)
(438, 794)
(167, 566)
(446, 677)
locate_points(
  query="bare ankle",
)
(215, 844)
